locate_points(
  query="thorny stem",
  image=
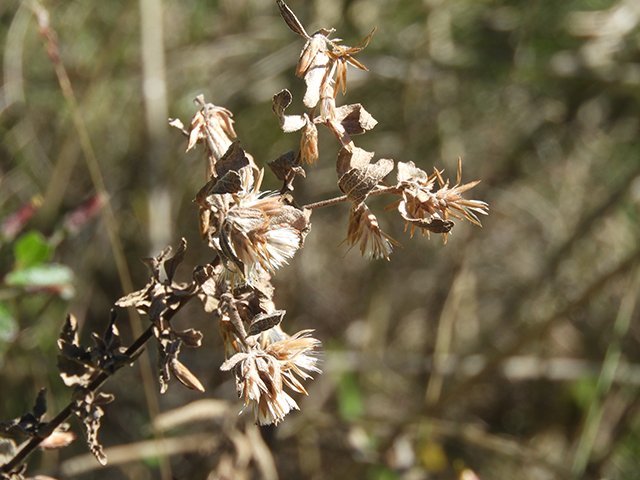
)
(68, 410)
(343, 198)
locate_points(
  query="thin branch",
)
(334, 201)
(32, 444)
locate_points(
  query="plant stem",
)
(68, 410)
(334, 201)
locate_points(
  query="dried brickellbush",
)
(253, 233)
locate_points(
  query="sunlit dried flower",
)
(295, 356)
(428, 210)
(341, 55)
(261, 374)
(211, 125)
(254, 231)
(364, 229)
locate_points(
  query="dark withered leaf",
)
(68, 342)
(171, 264)
(230, 182)
(73, 372)
(233, 159)
(191, 338)
(40, 407)
(168, 350)
(139, 300)
(28, 423)
(86, 408)
(264, 321)
(102, 398)
(352, 157)
(355, 119)
(112, 335)
(284, 166)
(74, 352)
(69, 331)
(206, 277)
(184, 375)
(158, 308)
(23, 425)
(100, 343)
(255, 299)
(16, 473)
(228, 256)
(291, 20)
(357, 183)
(154, 263)
(203, 193)
(280, 101)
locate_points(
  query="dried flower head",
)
(364, 229)
(422, 208)
(211, 125)
(261, 373)
(252, 231)
(341, 55)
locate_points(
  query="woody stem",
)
(343, 198)
(68, 410)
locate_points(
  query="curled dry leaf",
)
(190, 338)
(355, 119)
(352, 157)
(358, 182)
(87, 408)
(264, 321)
(79, 365)
(288, 123)
(236, 159)
(285, 169)
(30, 423)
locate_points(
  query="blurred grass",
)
(541, 101)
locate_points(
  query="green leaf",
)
(43, 276)
(8, 324)
(31, 249)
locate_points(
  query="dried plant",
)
(253, 233)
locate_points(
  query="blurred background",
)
(510, 352)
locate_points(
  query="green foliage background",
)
(486, 353)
